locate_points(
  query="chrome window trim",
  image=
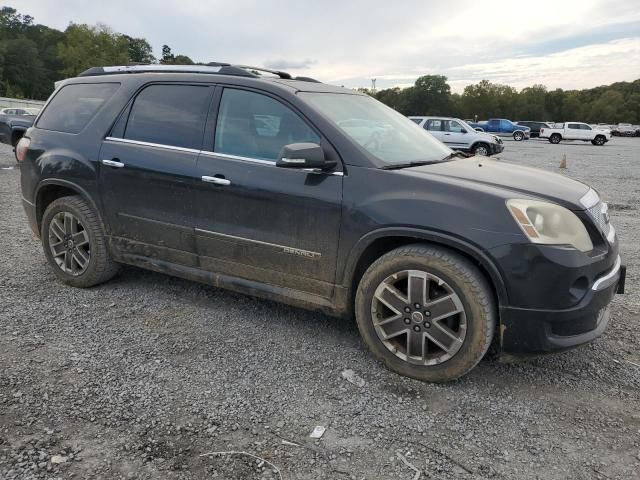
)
(237, 157)
(597, 285)
(150, 144)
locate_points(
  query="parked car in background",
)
(624, 130)
(576, 131)
(459, 135)
(504, 128)
(321, 197)
(19, 111)
(12, 127)
(535, 126)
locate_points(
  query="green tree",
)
(87, 46)
(139, 50)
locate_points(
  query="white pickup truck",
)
(576, 131)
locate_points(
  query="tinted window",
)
(169, 115)
(573, 126)
(585, 127)
(417, 120)
(256, 126)
(433, 125)
(452, 126)
(75, 105)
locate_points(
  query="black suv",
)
(534, 126)
(321, 197)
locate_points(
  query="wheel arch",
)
(375, 244)
(49, 190)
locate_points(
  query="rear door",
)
(148, 171)
(435, 127)
(261, 222)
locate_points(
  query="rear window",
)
(75, 105)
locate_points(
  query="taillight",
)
(541, 131)
(21, 149)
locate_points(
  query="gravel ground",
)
(140, 377)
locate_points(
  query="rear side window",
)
(169, 115)
(433, 125)
(75, 105)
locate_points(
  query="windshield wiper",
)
(410, 164)
(455, 154)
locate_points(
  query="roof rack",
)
(210, 68)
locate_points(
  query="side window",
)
(585, 127)
(505, 124)
(573, 126)
(452, 126)
(73, 106)
(10, 112)
(433, 125)
(169, 115)
(416, 120)
(257, 126)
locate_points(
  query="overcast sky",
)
(560, 43)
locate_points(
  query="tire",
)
(85, 260)
(518, 136)
(466, 294)
(555, 138)
(599, 140)
(481, 149)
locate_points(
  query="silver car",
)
(459, 135)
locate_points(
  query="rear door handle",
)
(216, 180)
(113, 163)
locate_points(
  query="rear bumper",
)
(535, 331)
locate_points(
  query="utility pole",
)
(373, 85)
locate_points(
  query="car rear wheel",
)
(555, 138)
(481, 149)
(425, 312)
(518, 136)
(74, 243)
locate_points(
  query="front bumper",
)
(535, 331)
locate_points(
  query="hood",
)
(488, 137)
(509, 177)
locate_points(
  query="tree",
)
(139, 50)
(167, 56)
(85, 46)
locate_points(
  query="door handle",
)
(113, 163)
(216, 180)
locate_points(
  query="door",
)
(261, 222)
(572, 132)
(455, 134)
(148, 172)
(586, 132)
(435, 127)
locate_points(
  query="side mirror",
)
(303, 155)
(463, 131)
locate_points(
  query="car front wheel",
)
(599, 140)
(481, 149)
(518, 136)
(425, 312)
(74, 243)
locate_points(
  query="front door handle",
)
(113, 163)
(216, 180)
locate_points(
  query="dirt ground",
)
(140, 377)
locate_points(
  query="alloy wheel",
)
(482, 151)
(419, 317)
(69, 243)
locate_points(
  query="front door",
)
(455, 134)
(261, 222)
(148, 171)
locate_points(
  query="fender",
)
(443, 239)
(71, 186)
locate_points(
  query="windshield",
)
(384, 133)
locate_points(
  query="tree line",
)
(33, 57)
(431, 95)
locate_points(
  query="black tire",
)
(465, 281)
(555, 138)
(518, 136)
(481, 149)
(599, 140)
(100, 267)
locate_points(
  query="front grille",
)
(600, 215)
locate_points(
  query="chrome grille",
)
(600, 214)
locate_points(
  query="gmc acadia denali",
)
(320, 197)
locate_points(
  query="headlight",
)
(550, 224)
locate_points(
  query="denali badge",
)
(300, 253)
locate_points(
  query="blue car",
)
(503, 128)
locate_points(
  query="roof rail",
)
(212, 68)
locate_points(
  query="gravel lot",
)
(140, 377)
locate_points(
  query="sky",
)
(561, 43)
